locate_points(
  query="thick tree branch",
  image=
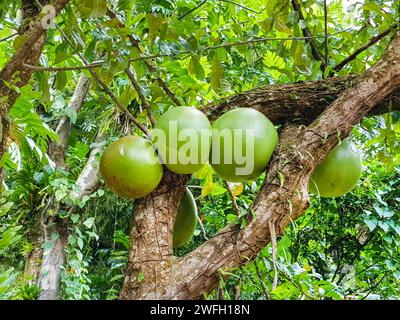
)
(28, 53)
(152, 231)
(297, 103)
(89, 176)
(54, 232)
(300, 149)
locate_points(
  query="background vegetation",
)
(343, 248)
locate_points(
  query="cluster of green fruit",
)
(132, 166)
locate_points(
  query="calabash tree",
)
(131, 61)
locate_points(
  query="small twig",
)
(193, 10)
(233, 199)
(240, 5)
(260, 277)
(9, 37)
(354, 55)
(202, 228)
(307, 33)
(272, 232)
(376, 285)
(93, 65)
(136, 43)
(326, 33)
(132, 77)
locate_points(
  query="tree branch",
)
(193, 10)
(144, 58)
(297, 103)
(309, 37)
(300, 149)
(53, 258)
(57, 150)
(106, 89)
(354, 55)
(136, 43)
(240, 5)
(132, 77)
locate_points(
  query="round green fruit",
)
(243, 141)
(183, 139)
(186, 220)
(339, 173)
(130, 167)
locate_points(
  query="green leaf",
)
(75, 218)
(61, 80)
(71, 114)
(196, 68)
(140, 277)
(154, 22)
(80, 243)
(89, 222)
(218, 79)
(55, 236)
(274, 63)
(47, 245)
(71, 240)
(232, 218)
(371, 222)
(92, 8)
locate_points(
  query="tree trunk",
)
(56, 232)
(52, 260)
(44, 266)
(153, 273)
(151, 257)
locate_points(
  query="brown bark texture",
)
(154, 273)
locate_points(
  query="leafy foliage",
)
(344, 248)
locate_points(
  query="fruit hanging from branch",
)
(130, 167)
(243, 141)
(183, 139)
(339, 173)
(186, 220)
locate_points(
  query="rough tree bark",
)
(297, 103)
(301, 148)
